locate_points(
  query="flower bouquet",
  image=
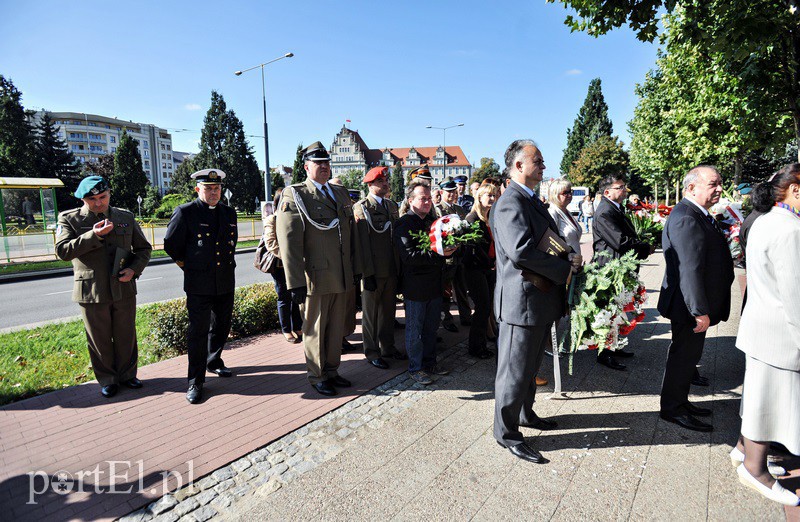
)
(447, 232)
(601, 301)
(730, 217)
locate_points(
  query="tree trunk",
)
(737, 170)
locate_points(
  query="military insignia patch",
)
(58, 229)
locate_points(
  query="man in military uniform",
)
(464, 200)
(201, 239)
(375, 216)
(422, 172)
(321, 254)
(108, 252)
(454, 277)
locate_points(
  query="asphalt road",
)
(39, 301)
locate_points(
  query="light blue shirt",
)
(319, 186)
(528, 191)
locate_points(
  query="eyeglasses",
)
(621, 187)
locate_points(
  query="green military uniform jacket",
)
(92, 257)
(375, 228)
(316, 255)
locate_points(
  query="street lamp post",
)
(444, 144)
(267, 179)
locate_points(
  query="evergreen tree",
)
(152, 200)
(52, 159)
(592, 123)
(298, 170)
(16, 138)
(277, 181)
(397, 183)
(223, 146)
(129, 180)
(181, 182)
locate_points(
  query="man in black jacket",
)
(201, 239)
(420, 283)
(614, 235)
(696, 292)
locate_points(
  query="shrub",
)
(169, 324)
(168, 204)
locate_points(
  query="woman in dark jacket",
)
(479, 262)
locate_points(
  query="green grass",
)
(16, 268)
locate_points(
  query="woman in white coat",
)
(769, 335)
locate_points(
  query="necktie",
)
(713, 222)
(325, 190)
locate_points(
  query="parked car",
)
(578, 193)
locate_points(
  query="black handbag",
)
(265, 261)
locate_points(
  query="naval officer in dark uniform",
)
(94, 237)
(201, 239)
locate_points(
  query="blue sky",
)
(506, 69)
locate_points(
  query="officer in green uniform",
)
(454, 276)
(321, 255)
(201, 239)
(375, 216)
(108, 252)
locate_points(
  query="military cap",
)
(208, 176)
(461, 180)
(316, 152)
(421, 172)
(448, 185)
(375, 173)
(91, 186)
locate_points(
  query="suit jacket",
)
(518, 223)
(323, 260)
(613, 232)
(770, 326)
(92, 258)
(421, 272)
(699, 271)
(379, 252)
(206, 256)
(568, 228)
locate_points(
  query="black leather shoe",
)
(540, 424)
(696, 410)
(398, 325)
(699, 380)
(133, 383)
(450, 326)
(109, 390)
(606, 359)
(483, 354)
(379, 363)
(195, 393)
(340, 381)
(525, 452)
(222, 371)
(325, 388)
(685, 420)
(623, 353)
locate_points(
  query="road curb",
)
(57, 272)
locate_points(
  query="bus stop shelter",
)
(47, 197)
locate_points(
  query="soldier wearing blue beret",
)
(108, 252)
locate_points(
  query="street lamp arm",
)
(287, 55)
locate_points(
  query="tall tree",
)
(605, 157)
(592, 123)
(129, 180)
(488, 169)
(52, 159)
(223, 146)
(397, 183)
(277, 180)
(352, 179)
(757, 41)
(181, 182)
(298, 170)
(16, 138)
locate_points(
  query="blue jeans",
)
(288, 312)
(422, 321)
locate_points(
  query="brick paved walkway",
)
(154, 430)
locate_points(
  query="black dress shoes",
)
(133, 383)
(696, 410)
(325, 388)
(450, 326)
(195, 393)
(483, 354)
(222, 371)
(109, 390)
(685, 420)
(379, 363)
(398, 325)
(340, 381)
(540, 424)
(525, 452)
(699, 380)
(606, 359)
(623, 353)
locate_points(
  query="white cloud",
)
(192, 107)
(573, 72)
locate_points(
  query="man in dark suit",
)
(613, 234)
(529, 297)
(696, 292)
(201, 239)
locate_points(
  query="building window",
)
(144, 142)
(147, 163)
(113, 139)
(147, 154)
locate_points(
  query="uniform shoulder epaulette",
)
(362, 201)
(298, 185)
(124, 210)
(70, 211)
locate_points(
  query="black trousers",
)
(684, 354)
(209, 326)
(480, 284)
(288, 311)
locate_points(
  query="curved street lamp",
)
(444, 143)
